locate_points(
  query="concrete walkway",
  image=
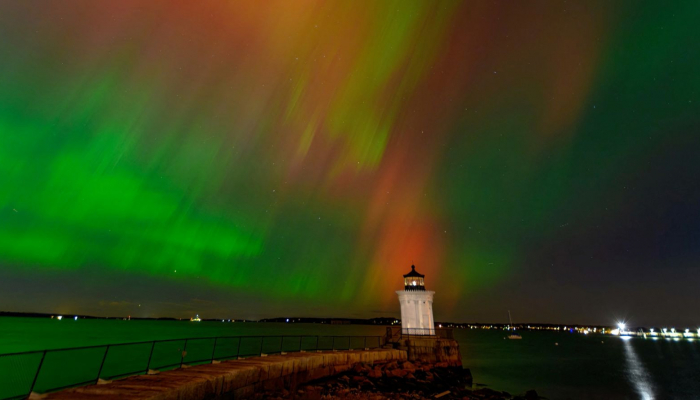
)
(235, 379)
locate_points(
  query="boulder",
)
(391, 365)
(467, 374)
(408, 365)
(375, 373)
(486, 393)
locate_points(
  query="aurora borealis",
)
(261, 159)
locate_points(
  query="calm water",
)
(580, 367)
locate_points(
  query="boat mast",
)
(511, 320)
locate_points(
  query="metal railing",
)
(394, 333)
(51, 370)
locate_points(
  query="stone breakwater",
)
(431, 350)
(434, 371)
(234, 379)
(395, 380)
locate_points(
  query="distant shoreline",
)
(381, 321)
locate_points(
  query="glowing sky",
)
(258, 159)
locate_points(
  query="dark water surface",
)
(583, 366)
(579, 367)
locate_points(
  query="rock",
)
(486, 393)
(391, 365)
(531, 395)
(408, 365)
(311, 393)
(399, 373)
(467, 374)
(375, 373)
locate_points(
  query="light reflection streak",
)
(636, 373)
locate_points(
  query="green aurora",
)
(242, 160)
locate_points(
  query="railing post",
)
(333, 346)
(184, 351)
(97, 379)
(148, 366)
(262, 341)
(213, 351)
(300, 339)
(38, 369)
(238, 350)
(317, 343)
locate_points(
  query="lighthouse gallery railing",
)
(50, 370)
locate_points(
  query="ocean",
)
(559, 365)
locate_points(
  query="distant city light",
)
(621, 325)
(60, 317)
(287, 319)
(76, 318)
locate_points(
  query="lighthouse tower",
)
(416, 305)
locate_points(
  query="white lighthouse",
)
(416, 305)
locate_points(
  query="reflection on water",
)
(636, 373)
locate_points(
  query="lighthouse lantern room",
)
(416, 305)
(413, 280)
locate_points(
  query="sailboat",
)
(512, 335)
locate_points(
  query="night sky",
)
(276, 158)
